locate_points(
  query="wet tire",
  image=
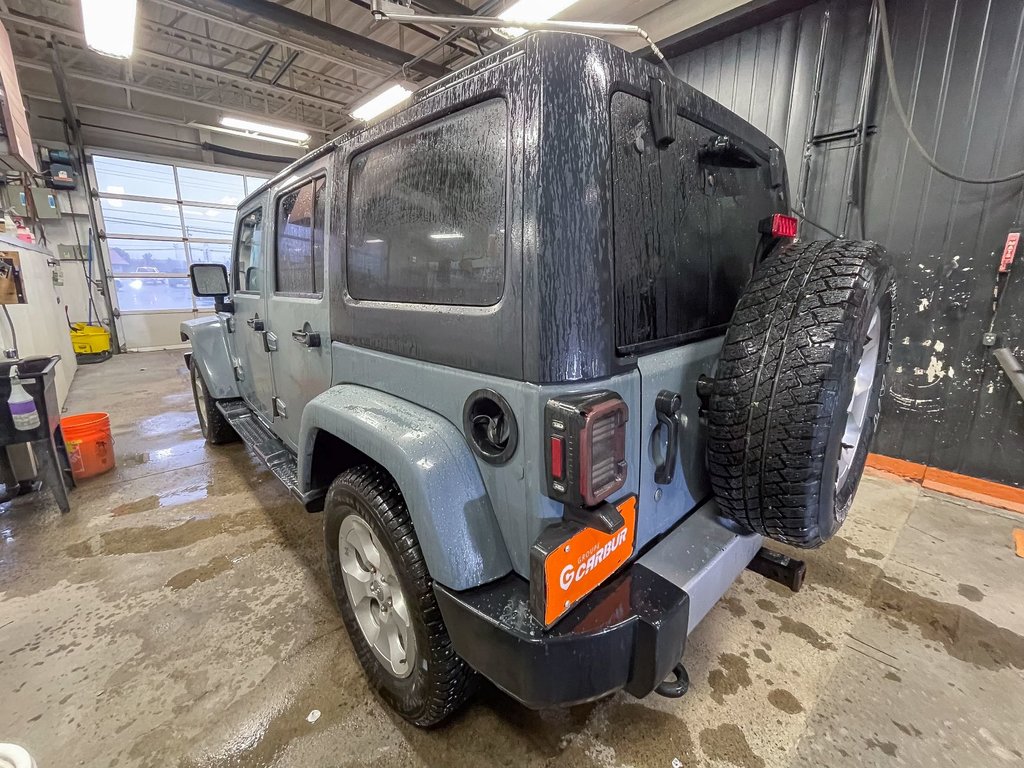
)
(797, 391)
(214, 426)
(431, 683)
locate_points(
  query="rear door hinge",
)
(280, 408)
(663, 113)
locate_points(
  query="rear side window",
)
(299, 267)
(249, 261)
(426, 217)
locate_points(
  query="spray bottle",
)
(22, 404)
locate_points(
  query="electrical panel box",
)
(48, 155)
(45, 201)
(71, 252)
(19, 201)
(61, 176)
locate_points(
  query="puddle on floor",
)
(134, 507)
(154, 538)
(168, 424)
(183, 448)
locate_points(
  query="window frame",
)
(279, 195)
(235, 249)
(507, 205)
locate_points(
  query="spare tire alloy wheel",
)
(856, 414)
(798, 388)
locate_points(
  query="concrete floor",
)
(181, 615)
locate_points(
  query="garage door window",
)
(160, 218)
(299, 266)
(426, 217)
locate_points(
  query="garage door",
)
(159, 218)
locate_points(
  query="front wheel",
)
(386, 598)
(214, 426)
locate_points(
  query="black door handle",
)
(255, 323)
(307, 338)
(667, 405)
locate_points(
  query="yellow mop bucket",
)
(89, 339)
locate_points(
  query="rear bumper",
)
(628, 634)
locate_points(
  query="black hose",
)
(14, 331)
(813, 223)
(897, 102)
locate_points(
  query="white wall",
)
(40, 323)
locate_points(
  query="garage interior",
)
(178, 610)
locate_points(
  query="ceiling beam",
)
(272, 87)
(194, 41)
(150, 91)
(284, 68)
(252, 27)
(336, 36)
(255, 68)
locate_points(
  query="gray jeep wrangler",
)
(544, 349)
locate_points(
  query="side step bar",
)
(269, 448)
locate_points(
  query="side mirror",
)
(210, 281)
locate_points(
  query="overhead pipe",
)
(383, 10)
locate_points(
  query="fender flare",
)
(435, 469)
(209, 337)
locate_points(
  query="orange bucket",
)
(89, 442)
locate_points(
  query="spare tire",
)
(796, 394)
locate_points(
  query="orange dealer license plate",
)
(567, 563)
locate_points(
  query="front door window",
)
(248, 264)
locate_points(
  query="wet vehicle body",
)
(483, 335)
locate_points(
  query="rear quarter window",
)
(426, 212)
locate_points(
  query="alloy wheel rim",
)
(376, 596)
(856, 414)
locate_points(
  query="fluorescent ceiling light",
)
(382, 102)
(531, 10)
(372, 241)
(266, 130)
(446, 236)
(110, 26)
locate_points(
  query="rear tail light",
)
(585, 437)
(779, 225)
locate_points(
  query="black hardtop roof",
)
(521, 43)
(533, 41)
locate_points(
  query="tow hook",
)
(676, 685)
(777, 567)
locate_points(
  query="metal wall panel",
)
(958, 68)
